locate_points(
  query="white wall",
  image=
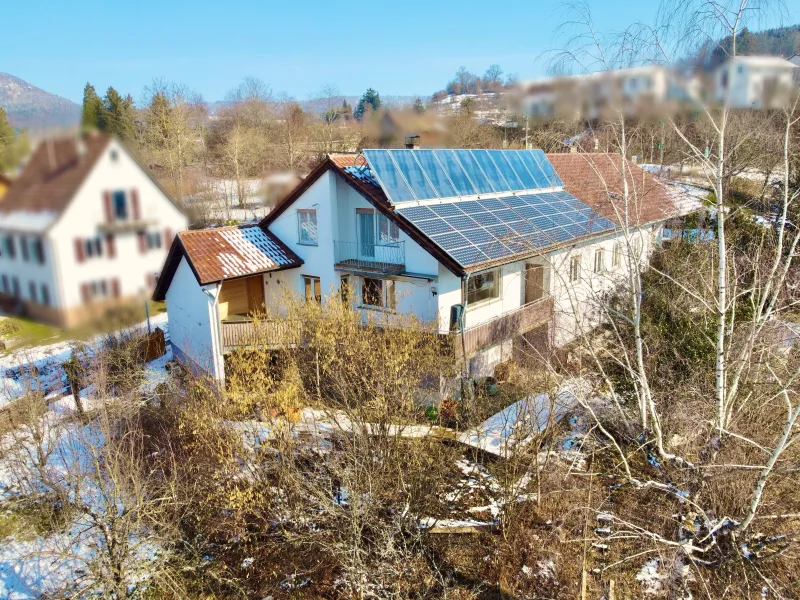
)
(576, 304)
(336, 203)
(86, 213)
(193, 327)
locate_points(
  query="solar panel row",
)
(407, 175)
(476, 231)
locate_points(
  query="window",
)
(15, 287)
(38, 250)
(312, 288)
(378, 293)
(574, 268)
(23, 242)
(344, 289)
(6, 289)
(93, 247)
(9, 247)
(388, 231)
(598, 261)
(45, 295)
(483, 286)
(616, 258)
(120, 206)
(153, 240)
(307, 224)
(98, 289)
(32, 291)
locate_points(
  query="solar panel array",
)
(479, 231)
(407, 175)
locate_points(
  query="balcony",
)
(379, 259)
(248, 333)
(504, 327)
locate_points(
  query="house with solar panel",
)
(506, 250)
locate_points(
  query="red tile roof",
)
(596, 180)
(53, 174)
(229, 252)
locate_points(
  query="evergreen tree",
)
(13, 146)
(371, 100)
(118, 115)
(419, 107)
(346, 112)
(92, 116)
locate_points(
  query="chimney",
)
(412, 142)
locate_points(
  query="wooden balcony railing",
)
(263, 334)
(504, 327)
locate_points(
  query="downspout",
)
(466, 369)
(216, 341)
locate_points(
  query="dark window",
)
(45, 295)
(483, 286)
(345, 288)
(153, 240)
(23, 242)
(120, 206)
(5, 284)
(15, 287)
(93, 247)
(38, 250)
(372, 292)
(9, 246)
(32, 291)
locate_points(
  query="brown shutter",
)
(110, 246)
(135, 204)
(167, 237)
(107, 204)
(115, 287)
(79, 250)
(85, 293)
(142, 242)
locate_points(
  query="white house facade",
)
(82, 229)
(483, 244)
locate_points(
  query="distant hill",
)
(33, 108)
(780, 41)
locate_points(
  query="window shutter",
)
(167, 237)
(79, 250)
(85, 293)
(110, 247)
(107, 205)
(115, 287)
(135, 204)
(142, 242)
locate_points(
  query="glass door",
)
(366, 234)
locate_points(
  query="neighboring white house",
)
(83, 228)
(495, 247)
(755, 82)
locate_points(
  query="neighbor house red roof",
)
(596, 180)
(53, 174)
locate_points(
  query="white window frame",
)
(616, 258)
(599, 260)
(311, 237)
(387, 292)
(574, 268)
(392, 230)
(308, 282)
(496, 290)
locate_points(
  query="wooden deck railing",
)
(504, 327)
(266, 334)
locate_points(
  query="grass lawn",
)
(19, 333)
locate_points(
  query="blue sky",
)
(400, 47)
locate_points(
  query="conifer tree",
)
(13, 146)
(92, 116)
(371, 100)
(118, 115)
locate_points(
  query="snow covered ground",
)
(44, 362)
